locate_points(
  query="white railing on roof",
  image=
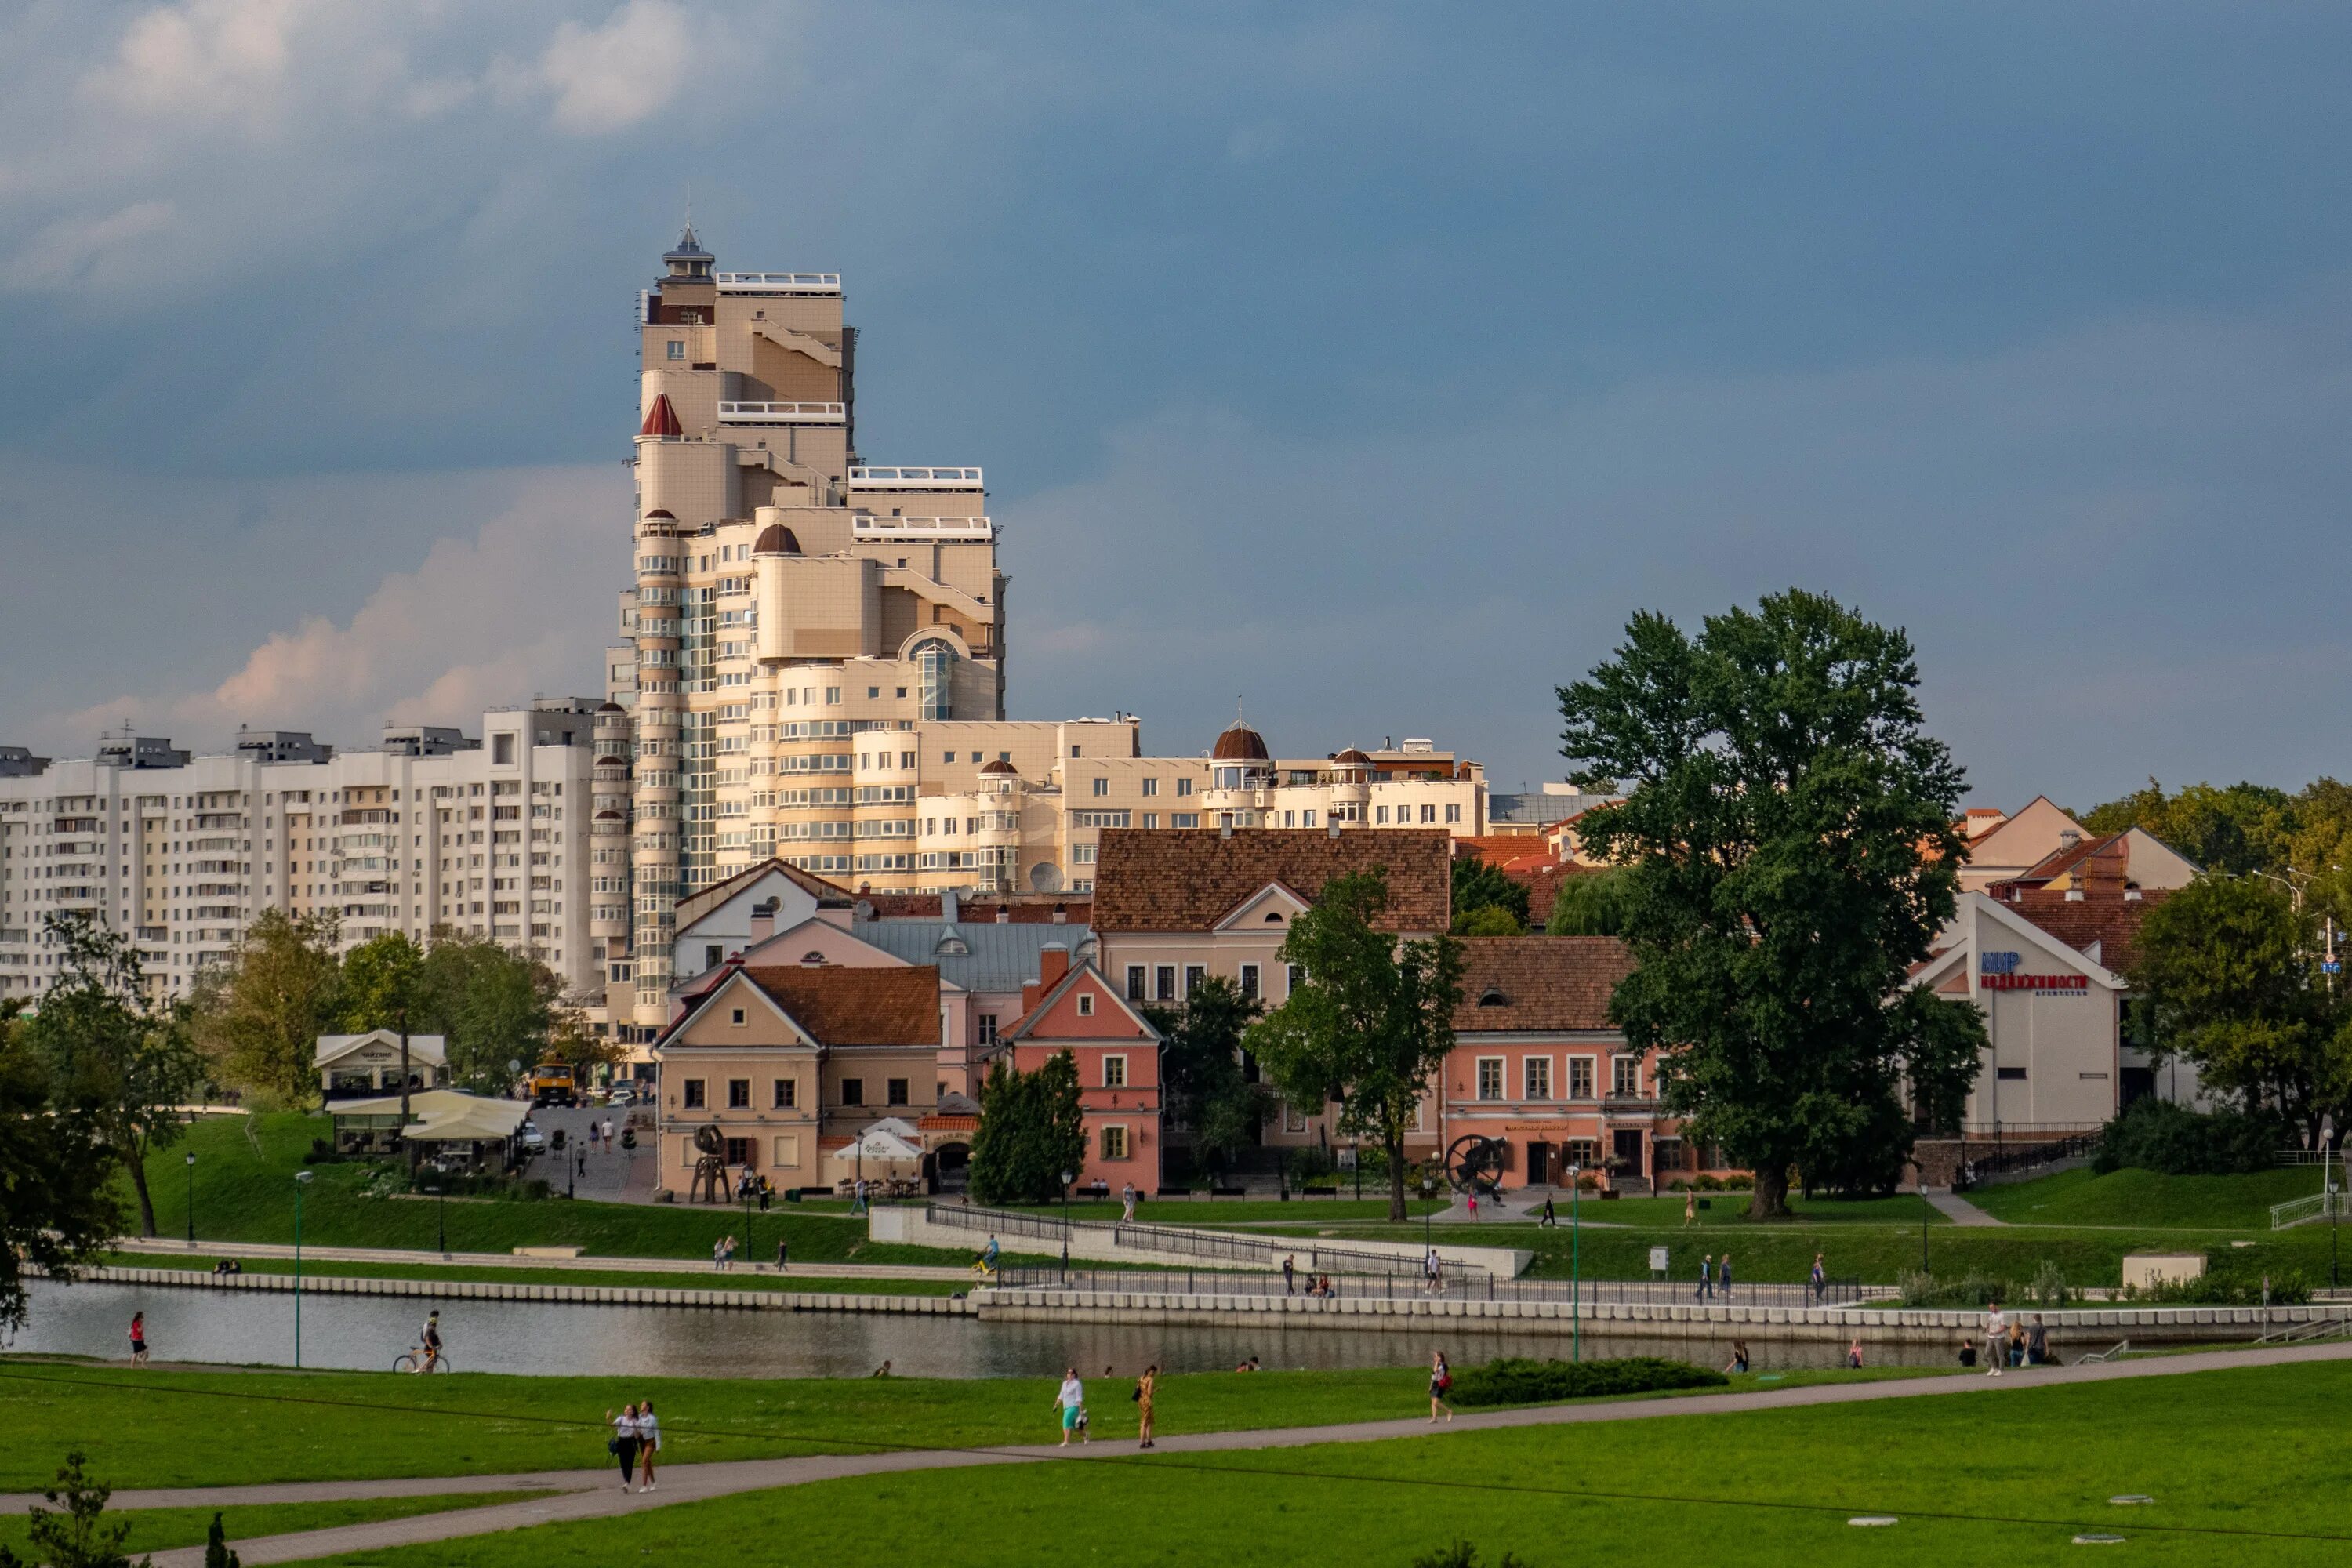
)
(917, 479)
(868, 527)
(783, 413)
(780, 282)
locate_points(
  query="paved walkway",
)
(1959, 1211)
(252, 1249)
(597, 1494)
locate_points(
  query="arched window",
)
(935, 660)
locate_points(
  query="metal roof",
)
(993, 958)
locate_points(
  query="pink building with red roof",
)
(1117, 1050)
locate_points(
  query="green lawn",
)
(2252, 1458)
(2148, 1198)
(247, 1194)
(160, 1528)
(162, 1427)
(740, 1277)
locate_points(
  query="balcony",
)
(783, 413)
(863, 526)
(916, 480)
(779, 282)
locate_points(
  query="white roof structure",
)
(338, 1050)
(879, 1148)
(446, 1115)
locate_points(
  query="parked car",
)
(533, 1139)
(622, 1094)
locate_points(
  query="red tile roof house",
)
(1117, 1050)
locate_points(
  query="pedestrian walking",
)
(1550, 1215)
(138, 1339)
(2037, 1342)
(857, 1198)
(1288, 1266)
(1072, 1399)
(1705, 1291)
(767, 1193)
(1817, 1283)
(2017, 1341)
(1473, 1204)
(648, 1441)
(1996, 1333)
(1690, 1206)
(1432, 1271)
(1126, 1203)
(1723, 1274)
(596, 1136)
(622, 1445)
(1145, 1387)
(783, 1253)
(608, 1134)
(1441, 1384)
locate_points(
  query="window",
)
(1135, 983)
(1183, 820)
(1579, 1078)
(1102, 785)
(694, 1100)
(1453, 812)
(788, 1149)
(852, 1091)
(739, 1151)
(1114, 1143)
(738, 1094)
(1381, 814)
(1085, 1004)
(675, 348)
(1490, 1078)
(988, 1029)
(873, 691)
(1151, 787)
(895, 1090)
(736, 1019)
(1183, 786)
(2010, 1074)
(1193, 974)
(1538, 1078)
(502, 750)
(713, 955)
(1150, 819)
(1163, 986)
(788, 1093)
(1625, 1074)
(1249, 979)
(1292, 975)
(1114, 1072)
(1307, 819)
(1429, 814)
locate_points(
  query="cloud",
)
(204, 59)
(518, 608)
(67, 250)
(610, 77)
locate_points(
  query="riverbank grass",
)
(161, 1529)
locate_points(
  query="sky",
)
(1366, 367)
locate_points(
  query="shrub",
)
(1514, 1380)
(1972, 1289)
(2154, 1134)
(323, 1153)
(1740, 1182)
(1709, 1184)
(2230, 1285)
(1461, 1554)
(2049, 1287)
(1588, 1183)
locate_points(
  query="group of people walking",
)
(1712, 1273)
(636, 1438)
(1070, 1400)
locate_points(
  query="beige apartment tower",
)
(796, 614)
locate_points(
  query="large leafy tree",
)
(1479, 887)
(383, 988)
(1032, 1131)
(114, 1052)
(2227, 968)
(2235, 829)
(257, 1020)
(1203, 1088)
(58, 1206)
(492, 1004)
(1370, 1023)
(1788, 851)
(1589, 904)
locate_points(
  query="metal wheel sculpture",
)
(1476, 1163)
(709, 1184)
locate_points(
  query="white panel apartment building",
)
(487, 836)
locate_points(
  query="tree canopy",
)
(1589, 904)
(1204, 1090)
(1370, 1022)
(59, 1208)
(257, 1020)
(1786, 854)
(1032, 1132)
(1479, 887)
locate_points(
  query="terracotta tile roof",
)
(1540, 981)
(2110, 921)
(844, 1007)
(1543, 883)
(2058, 861)
(1159, 881)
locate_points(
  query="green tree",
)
(113, 1051)
(1032, 1131)
(1203, 1088)
(572, 1039)
(73, 1536)
(492, 1004)
(1788, 851)
(2235, 829)
(1479, 886)
(258, 1018)
(1589, 904)
(58, 1208)
(1370, 1022)
(383, 988)
(2227, 966)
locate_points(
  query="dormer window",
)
(1490, 997)
(1274, 916)
(813, 958)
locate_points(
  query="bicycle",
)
(413, 1361)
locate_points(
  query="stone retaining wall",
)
(586, 1295)
(1097, 1242)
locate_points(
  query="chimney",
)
(1334, 823)
(763, 922)
(1061, 914)
(1053, 962)
(948, 906)
(1004, 914)
(1225, 828)
(2068, 838)
(2074, 895)
(2131, 895)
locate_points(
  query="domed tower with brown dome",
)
(1241, 777)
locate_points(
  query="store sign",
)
(1999, 972)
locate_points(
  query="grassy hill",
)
(2148, 1198)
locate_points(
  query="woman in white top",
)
(648, 1441)
(1072, 1399)
(624, 1442)
(1996, 1337)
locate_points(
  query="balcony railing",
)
(783, 413)
(917, 479)
(866, 527)
(779, 282)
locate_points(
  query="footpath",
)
(597, 1494)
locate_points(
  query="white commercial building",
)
(486, 835)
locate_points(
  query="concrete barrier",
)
(583, 1295)
(1098, 1242)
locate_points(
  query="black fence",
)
(1453, 1284)
(1976, 1167)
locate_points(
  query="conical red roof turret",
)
(661, 419)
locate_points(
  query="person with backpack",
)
(1441, 1384)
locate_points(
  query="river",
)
(546, 1339)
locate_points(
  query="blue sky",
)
(1369, 364)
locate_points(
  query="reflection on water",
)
(544, 1338)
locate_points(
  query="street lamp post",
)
(1575, 1265)
(1428, 1195)
(301, 1180)
(1066, 1180)
(192, 1197)
(749, 1251)
(2327, 1197)
(1924, 1207)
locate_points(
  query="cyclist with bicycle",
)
(430, 1341)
